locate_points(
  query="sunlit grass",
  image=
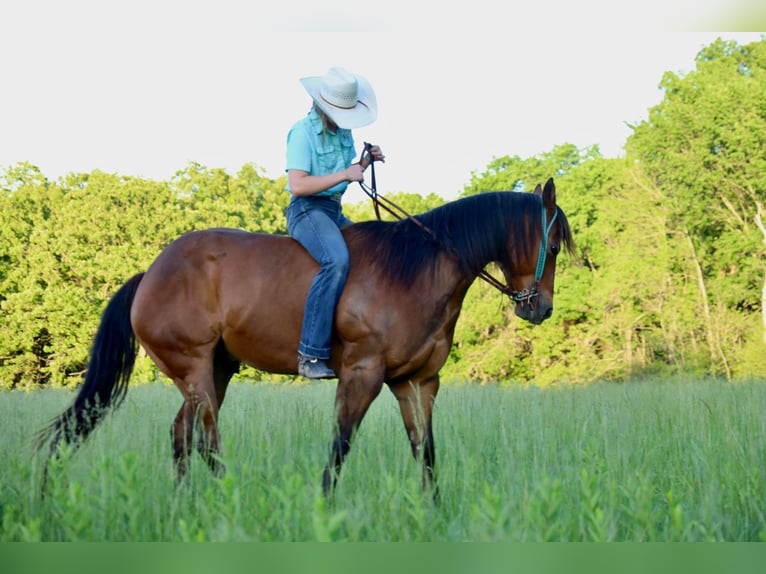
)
(675, 460)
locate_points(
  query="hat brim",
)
(363, 113)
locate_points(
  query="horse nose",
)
(548, 313)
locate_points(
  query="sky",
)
(144, 88)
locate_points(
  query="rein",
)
(526, 296)
(379, 201)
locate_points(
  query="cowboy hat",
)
(346, 98)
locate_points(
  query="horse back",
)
(247, 289)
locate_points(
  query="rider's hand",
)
(355, 172)
(373, 153)
(377, 154)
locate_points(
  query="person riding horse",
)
(320, 165)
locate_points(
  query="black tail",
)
(111, 363)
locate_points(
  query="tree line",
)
(669, 277)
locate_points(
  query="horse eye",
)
(554, 250)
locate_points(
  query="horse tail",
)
(112, 358)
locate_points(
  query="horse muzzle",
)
(535, 311)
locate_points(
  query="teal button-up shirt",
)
(319, 152)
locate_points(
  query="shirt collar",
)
(316, 121)
(318, 126)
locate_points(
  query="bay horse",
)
(220, 297)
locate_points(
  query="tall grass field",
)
(681, 460)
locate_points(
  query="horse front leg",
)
(416, 402)
(357, 388)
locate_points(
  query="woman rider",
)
(320, 165)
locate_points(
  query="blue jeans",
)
(315, 223)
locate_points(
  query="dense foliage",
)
(668, 277)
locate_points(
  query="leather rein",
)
(526, 296)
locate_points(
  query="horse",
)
(216, 298)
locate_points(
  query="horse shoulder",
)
(411, 328)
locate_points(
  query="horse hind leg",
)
(203, 388)
(224, 368)
(181, 437)
(208, 441)
(198, 416)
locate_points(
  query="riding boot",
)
(313, 368)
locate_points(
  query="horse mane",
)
(474, 230)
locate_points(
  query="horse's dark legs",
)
(353, 397)
(416, 402)
(199, 411)
(204, 388)
(181, 436)
(224, 368)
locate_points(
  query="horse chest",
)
(420, 339)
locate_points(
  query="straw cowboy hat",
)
(346, 98)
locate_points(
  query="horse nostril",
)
(548, 313)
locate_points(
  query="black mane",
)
(474, 229)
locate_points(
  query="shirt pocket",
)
(328, 158)
(336, 152)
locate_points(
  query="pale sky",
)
(143, 89)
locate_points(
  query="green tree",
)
(516, 174)
(704, 148)
(65, 247)
(96, 230)
(266, 199)
(24, 208)
(249, 200)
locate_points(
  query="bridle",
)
(526, 296)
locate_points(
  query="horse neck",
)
(470, 228)
(450, 281)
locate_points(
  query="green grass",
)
(645, 461)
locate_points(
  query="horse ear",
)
(549, 194)
(538, 190)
